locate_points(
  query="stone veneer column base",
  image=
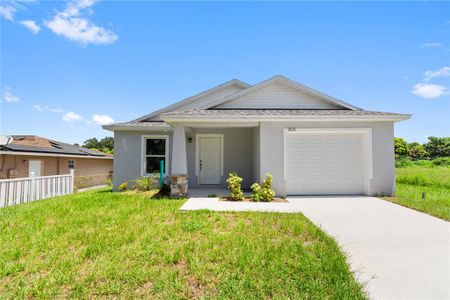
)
(178, 186)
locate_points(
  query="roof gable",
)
(279, 93)
(199, 100)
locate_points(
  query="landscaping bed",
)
(250, 199)
(100, 244)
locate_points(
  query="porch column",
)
(179, 162)
(178, 176)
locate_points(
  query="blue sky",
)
(67, 67)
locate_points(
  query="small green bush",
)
(234, 185)
(403, 163)
(263, 192)
(442, 161)
(123, 186)
(144, 183)
(437, 162)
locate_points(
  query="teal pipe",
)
(161, 173)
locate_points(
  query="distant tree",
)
(105, 145)
(401, 147)
(91, 143)
(438, 147)
(417, 151)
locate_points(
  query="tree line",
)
(105, 145)
(435, 147)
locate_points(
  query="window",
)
(155, 150)
(71, 164)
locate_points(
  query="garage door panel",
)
(324, 163)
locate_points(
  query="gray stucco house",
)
(310, 142)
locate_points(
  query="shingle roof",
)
(276, 112)
(132, 124)
(32, 143)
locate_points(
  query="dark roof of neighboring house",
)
(32, 143)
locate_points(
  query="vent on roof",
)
(55, 145)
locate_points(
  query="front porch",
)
(208, 154)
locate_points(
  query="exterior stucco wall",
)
(127, 155)
(272, 152)
(88, 171)
(237, 156)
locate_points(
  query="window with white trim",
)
(71, 164)
(155, 151)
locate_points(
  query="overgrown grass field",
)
(100, 244)
(434, 181)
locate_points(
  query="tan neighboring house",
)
(22, 154)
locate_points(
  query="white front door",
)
(210, 159)
(34, 166)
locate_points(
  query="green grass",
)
(103, 244)
(433, 181)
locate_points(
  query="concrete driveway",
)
(398, 252)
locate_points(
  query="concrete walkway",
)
(400, 253)
(97, 187)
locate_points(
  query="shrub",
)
(146, 183)
(443, 161)
(263, 192)
(123, 186)
(234, 185)
(403, 163)
(163, 192)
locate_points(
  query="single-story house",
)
(22, 154)
(310, 142)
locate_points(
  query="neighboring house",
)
(310, 142)
(22, 154)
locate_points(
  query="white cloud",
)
(442, 72)
(40, 108)
(7, 12)
(71, 117)
(8, 95)
(431, 45)
(73, 24)
(31, 25)
(102, 119)
(428, 90)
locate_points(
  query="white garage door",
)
(324, 163)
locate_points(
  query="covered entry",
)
(327, 161)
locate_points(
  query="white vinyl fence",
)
(22, 190)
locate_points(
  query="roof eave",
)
(196, 119)
(135, 128)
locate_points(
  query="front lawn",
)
(103, 244)
(433, 181)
